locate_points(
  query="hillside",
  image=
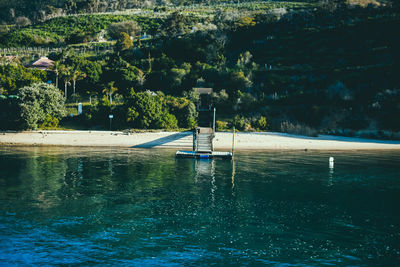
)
(24, 11)
(84, 27)
(306, 67)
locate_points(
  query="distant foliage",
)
(22, 21)
(124, 42)
(299, 129)
(129, 27)
(14, 76)
(177, 24)
(31, 37)
(75, 29)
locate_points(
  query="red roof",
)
(43, 63)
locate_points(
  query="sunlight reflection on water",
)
(136, 207)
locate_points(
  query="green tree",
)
(261, 123)
(93, 70)
(38, 103)
(78, 36)
(75, 76)
(109, 91)
(14, 76)
(176, 24)
(129, 27)
(66, 75)
(124, 42)
(177, 75)
(123, 74)
(56, 69)
(147, 111)
(184, 110)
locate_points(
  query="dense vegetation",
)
(26, 11)
(321, 67)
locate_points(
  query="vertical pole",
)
(194, 140)
(214, 121)
(110, 124)
(233, 140)
(197, 138)
(213, 134)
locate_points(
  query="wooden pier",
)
(203, 136)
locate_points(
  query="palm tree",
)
(66, 75)
(141, 77)
(77, 75)
(110, 90)
(91, 94)
(56, 68)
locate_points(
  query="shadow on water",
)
(164, 141)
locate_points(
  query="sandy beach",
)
(183, 140)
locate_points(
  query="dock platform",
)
(204, 133)
(201, 155)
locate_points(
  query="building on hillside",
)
(45, 64)
(204, 107)
(204, 103)
(42, 63)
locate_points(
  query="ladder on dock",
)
(203, 136)
(203, 140)
(203, 147)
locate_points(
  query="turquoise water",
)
(144, 207)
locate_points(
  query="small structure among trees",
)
(42, 63)
(205, 98)
(204, 106)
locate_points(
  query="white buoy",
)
(331, 162)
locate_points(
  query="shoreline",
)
(184, 141)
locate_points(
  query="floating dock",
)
(202, 155)
(203, 136)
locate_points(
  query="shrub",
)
(238, 122)
(49, 123)
(147, 111)
(9, 112)
(14, 76)
(38, 103)
(184, 110)
(77, 37)
(222, 125)
(288, 127)
(261, 123)
(90, 114)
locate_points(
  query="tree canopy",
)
(39, 104)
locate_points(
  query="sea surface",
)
(134, 207)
